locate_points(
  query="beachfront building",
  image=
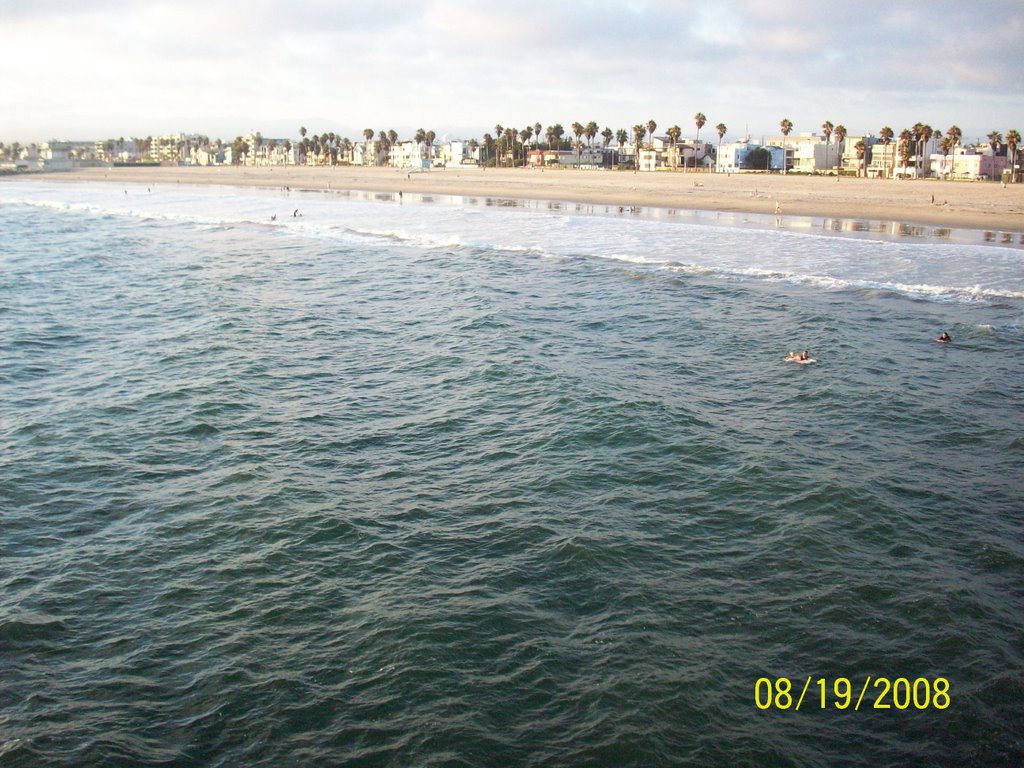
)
(366, 153)
(591, 158)
(852, 162)
(587, 158)
(968, 163)
(885, 160)
(458, 154)
(688, 155)
(542, 158)
(169, 149)
(55, 155)
(740, 156)
(409, 154)
(624, 155)
(264, 151)
(650, 159)
(206, 155)
(910, 169)
(805, 152)
(662, 155)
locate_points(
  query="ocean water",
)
(436, 481)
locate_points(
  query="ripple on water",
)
(281, 495)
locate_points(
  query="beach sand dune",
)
(958, 204)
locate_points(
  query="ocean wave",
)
(919, 270)
(964, 294)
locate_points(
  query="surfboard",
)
(808, 361)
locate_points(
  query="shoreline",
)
(979, 206)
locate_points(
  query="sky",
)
(90, 69)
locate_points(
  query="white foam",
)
(935, 271)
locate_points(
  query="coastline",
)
(962, 205)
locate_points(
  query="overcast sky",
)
(83, 69)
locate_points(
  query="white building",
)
(967, 163)
(735, 157)
(457, 153)
(409, 154)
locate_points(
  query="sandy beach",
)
(958, 204)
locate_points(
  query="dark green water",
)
(277, 497)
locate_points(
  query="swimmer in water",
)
(944, 337)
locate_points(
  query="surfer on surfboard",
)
(804, 357)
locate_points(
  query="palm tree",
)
(699, 120)
(638, 136)
(488, 147)
(499, 133)
(537, 128)
(945, 144)
(826, 131)
(994, 141)
(368, 135)
(840, 134)
(525, 135)
(862, 149)
(302, 131)
(721, 128)
(1012, 140)
(917, 130)
(786, 125)
(607, 135)
(886, 134)
(621, 138)
(510, 144)
(926, 136)
(577, 129)
(590, 132)
(559, 132)
(429, 139)
(673, 134)
(651, 125)
(954, 134)
(906, 137)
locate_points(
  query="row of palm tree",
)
(508, 145)
(912, 142)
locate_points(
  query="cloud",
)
(208, 66)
